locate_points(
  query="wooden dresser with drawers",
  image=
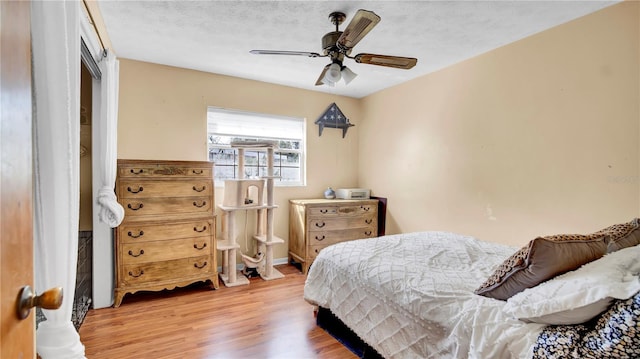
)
(167, 237)
(318, 223)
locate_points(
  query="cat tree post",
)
(267, 240)
(228, 245)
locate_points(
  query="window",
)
(225, 126)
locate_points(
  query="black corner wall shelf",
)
(333, 118)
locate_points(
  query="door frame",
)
(102, 259)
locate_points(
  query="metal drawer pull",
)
(368, 233)
(140, 234)
(204, 203)
(199, 172)
(200, 230)
(199, 190)
(323, 211)
(200, 248)
(136, 275)
(140, 205)
(136, 255)
(140, 189)
(200, 267)
(136, 172)
(320, 225)
(368, 221)
(319, 238)
(366, 209)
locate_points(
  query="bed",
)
(420, 295)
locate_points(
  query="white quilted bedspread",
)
(411, 296)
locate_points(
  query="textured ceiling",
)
(216, 36)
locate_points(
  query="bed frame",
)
(334, 326)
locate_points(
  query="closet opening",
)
(84, 281)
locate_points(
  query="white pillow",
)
(578, 296)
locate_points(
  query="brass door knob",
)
(50, 299)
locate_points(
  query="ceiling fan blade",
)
(363, 21)
(385, 60)
(277, 52)
(324, 71)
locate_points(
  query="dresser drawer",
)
(142, 170)
(157, 250)
(337, 211)
(153, 231)
(357, 210)
(323, 224)
(314, 251)
(160, 271)
(151, 188)
(331, 237)
(166, 206)
(323, 211)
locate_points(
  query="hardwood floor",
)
(265, 319)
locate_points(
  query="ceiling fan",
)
(338, 44)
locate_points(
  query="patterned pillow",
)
(559, 342)
(543, 258)
(622, 235)
(615, 334)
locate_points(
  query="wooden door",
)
(16, 231)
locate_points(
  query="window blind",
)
(248, 124)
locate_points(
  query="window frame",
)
(261, 151)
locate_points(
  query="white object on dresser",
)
(352, 193)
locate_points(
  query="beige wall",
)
(537, 137)
(162, 116)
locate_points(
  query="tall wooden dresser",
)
(167, 237)
(318, 223)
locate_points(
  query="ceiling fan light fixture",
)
(337, 46)
(332, 75)
(348, 75)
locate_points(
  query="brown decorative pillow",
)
(542, 259)
(622, 235)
